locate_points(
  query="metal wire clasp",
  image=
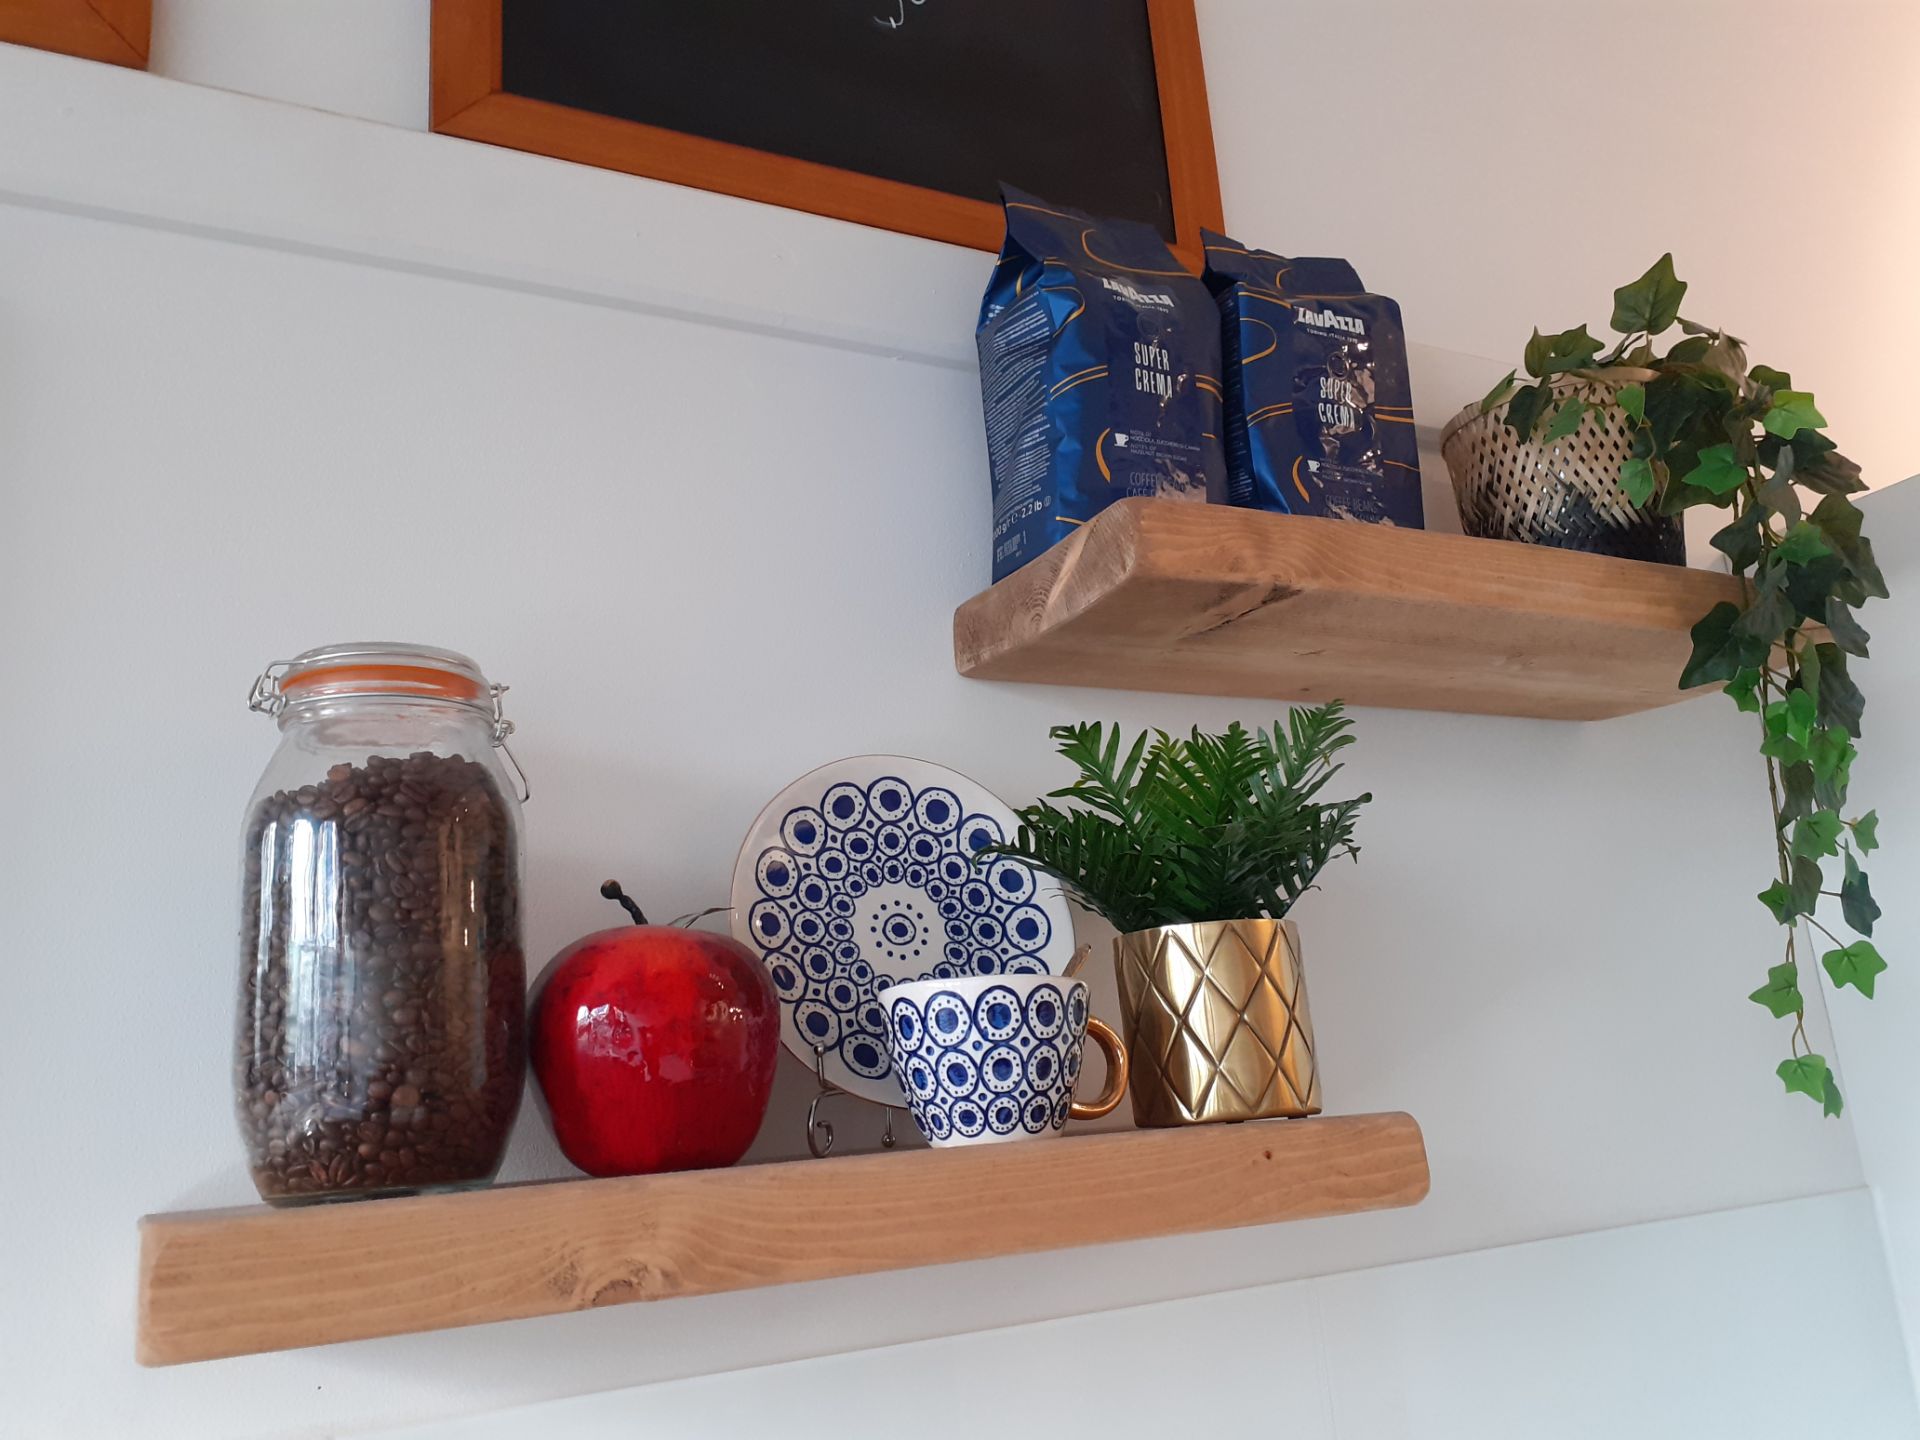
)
(266, 698)
(502, 728)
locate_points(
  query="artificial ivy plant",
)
(1209, 827)
(1710, 429)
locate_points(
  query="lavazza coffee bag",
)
(1319, 412)
(1100, 374)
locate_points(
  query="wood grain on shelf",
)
(1214, 600)
(236, 1282)
(115, 31)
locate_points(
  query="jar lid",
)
(374, 668)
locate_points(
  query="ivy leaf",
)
(1674, 401)
(1856, 965)
(1866, 832)
(1550, 355)
(1778, 494)
(1804, 881)
(1856, 898)
(1833, 1104)
(1771, 378)
(1801, 707)
(1499, 392)
(1632, 398)
(1841, 703)
(1830, 757)
(1802, 543)
(1719, 471)
(1779, 902)
(1828, 473)
(1839, 520)
(1771, 612)
(1816, 835)
(1745, 690)
(1778, 744)
(1636, 480)
(1524, 409)
(1792, 412)
(1817, 463)
(1740, 541)
(1720, 651)
(1784, 902)
(1808, 587)
(1806, 1075)
(1827, 751)
(1847, 633)
(1781, 994)
(1651, 303)
(1566, 420)
(1797, 783)
(1810, 667)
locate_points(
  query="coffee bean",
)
(381, 1055)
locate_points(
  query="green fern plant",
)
(1211, 827)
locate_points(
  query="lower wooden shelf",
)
(237, 1282)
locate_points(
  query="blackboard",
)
(902, 113)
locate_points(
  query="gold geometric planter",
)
(1216, 1022)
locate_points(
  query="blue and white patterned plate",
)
(863, 873)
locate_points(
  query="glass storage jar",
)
(381, 1034)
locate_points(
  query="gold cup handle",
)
(1102, 1035)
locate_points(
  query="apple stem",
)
(613, 891)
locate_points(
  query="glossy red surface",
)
(655, 1047)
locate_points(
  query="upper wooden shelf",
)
(237, 1282)
(1216, 600)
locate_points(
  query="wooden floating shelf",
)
(236, 1282)
(1216, 600)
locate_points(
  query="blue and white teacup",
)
(988, 1058)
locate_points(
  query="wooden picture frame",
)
(116, 31)
(467, 100)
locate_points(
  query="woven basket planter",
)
(1565, 494)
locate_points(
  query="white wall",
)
(233, 334)
(1556, 1338)
(1877, 1040)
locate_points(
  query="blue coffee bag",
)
(1319, 411)
(1099, 373)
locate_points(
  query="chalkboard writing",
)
(1060, 97)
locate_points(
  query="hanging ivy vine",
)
(1711, 430)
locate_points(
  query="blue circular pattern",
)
(1046, 1011)
(819, 1023)
(997, 1012)
(990, 1063)
(804, 831)
(865, 1055)
(956, 1072)
(872, 881)
(1001, 1069)
(844, 806)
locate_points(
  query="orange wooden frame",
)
(112, 30)
(467, 101)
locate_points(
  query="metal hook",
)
(820, 1132)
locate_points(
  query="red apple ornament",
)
(654, 1047)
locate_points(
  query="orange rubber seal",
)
(400, 679)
